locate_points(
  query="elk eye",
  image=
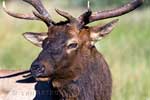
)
(72, 45)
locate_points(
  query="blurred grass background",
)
(126, 49)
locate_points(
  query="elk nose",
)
(37, 70)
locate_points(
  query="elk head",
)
(64, 44)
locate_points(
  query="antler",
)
(42, 14)
(69, 17)
(110, 13)
(18, 15)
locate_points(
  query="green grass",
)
(126, 50)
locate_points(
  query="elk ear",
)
(35, 38)
(98, 32)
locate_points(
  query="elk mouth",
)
(42, 79)
(38, 77)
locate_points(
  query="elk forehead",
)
(71, 31)
(68, 29)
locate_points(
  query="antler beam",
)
(37, 4)
(112, 13)
(42, 14)
(19, 15)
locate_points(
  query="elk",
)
(69, 59)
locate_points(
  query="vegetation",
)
(95, 3)
(102, 3)
(126, 50)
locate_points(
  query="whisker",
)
(15, 74)
(28, 75)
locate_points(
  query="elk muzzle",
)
(40, 71)
(37, 69)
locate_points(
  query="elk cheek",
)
(49, 69)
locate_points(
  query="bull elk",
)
(69, 59)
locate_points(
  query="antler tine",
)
(37, 4)
(19, 15)
(84, 18)
(115, 12)
(66, 15)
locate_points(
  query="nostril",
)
(37, 68)
(34, 67)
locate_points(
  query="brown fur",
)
(81, 75)
(94, 79)
(69, 59)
